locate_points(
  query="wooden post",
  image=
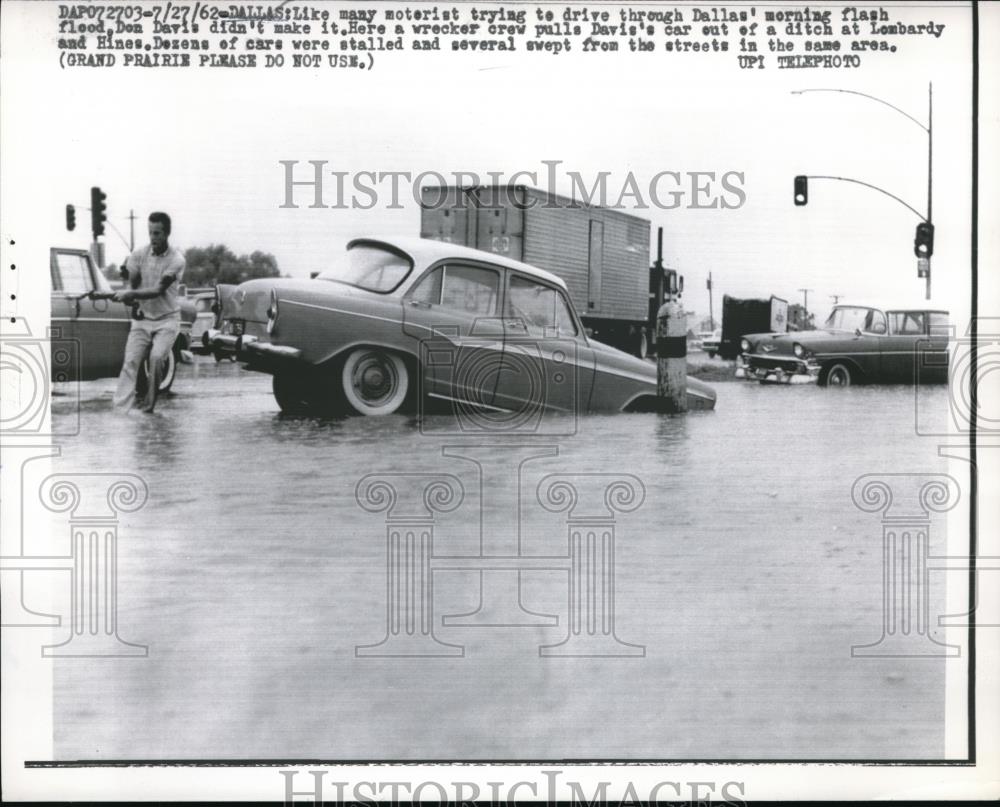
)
(671, 354)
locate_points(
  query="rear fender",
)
(224, 294)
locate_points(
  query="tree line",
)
(217, 263)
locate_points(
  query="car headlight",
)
(745, 345)
(798, 350)
(272, 312)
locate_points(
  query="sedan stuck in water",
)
(397, 323)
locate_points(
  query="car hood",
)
(614, 360)
(782, 342)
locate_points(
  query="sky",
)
(205, 146)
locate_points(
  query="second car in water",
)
(856, 345)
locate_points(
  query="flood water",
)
(746, 574)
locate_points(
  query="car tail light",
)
(272, 312)
(745, 345)
(217, 308)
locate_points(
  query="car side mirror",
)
(857, 332)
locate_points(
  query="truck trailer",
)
(743, 316)
(601, 254)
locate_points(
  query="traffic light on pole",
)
(70, 217)
(923, 241)
(801, 190)
(98, 211)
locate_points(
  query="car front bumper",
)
(777, 369)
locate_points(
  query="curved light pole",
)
(923, 245)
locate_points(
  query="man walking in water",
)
(154, 274)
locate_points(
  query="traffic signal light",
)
(70, 217)
(98, 211)
(923, 241)
(801, 190)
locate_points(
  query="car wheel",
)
(375, 381)
(838, 375)
(296, 393)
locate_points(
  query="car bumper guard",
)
(754, 367)
(247, 348)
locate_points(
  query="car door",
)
(100, 327)
(66, 288)
(932, 351)
(452, 310)
(899, 346)
(547, 363)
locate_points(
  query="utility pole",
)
(131, 231)
(711, 315)
(805, 300)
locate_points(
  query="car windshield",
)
(369, 267)
(847, 319)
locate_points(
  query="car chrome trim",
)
(272, 351)
(358, 314)
(648, 394)
(619, 373)
(469, 403)
(90, 319)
